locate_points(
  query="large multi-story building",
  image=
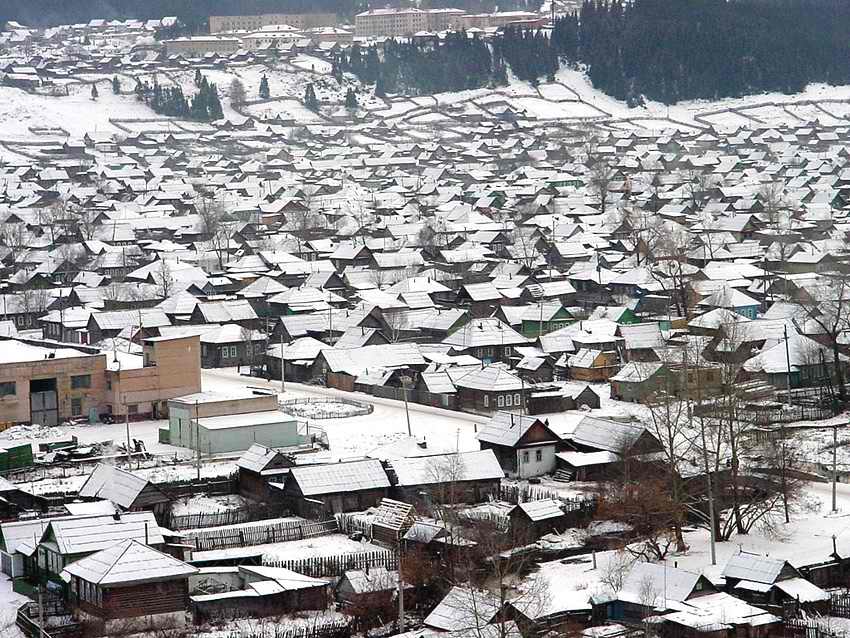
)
(300, 21)
(390, 22)
(200, 45)
(46, 382)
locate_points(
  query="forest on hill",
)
(194, 13)
(664, 50)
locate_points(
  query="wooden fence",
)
(336, 566)
(349, 524)
(517, 494)
(218, 519)
(839, 604)
(260, 534)
(809, 628)
(272, 629)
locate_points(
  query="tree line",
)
(664, 50)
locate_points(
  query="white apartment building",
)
(390, 22)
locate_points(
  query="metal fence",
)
(326, 408)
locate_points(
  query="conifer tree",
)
(265, 91)
(310, 100)
(350, 99)
(94, 93)
(116, 85)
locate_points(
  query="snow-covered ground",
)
(808, 538)
(571, 96)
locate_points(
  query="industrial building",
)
(214, 423)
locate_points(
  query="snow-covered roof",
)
(760, 569)
(340, 477)
(84, 535)
(541, 510)
(113, 484)
(463, 466)
(128, 562)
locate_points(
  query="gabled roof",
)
(507, 428)
(753, 567)
(463, 466)
(340, 477)
(114, 484)
(128, 562)
(88, 534)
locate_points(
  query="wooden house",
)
(523, 445)
(335, 487)
(128, 581)
(772, 583)
(464, 477)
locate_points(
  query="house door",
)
(44, 404)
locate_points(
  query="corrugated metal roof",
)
(85, 535)
(465, 466)
(761, 569)
(113, 484)
(340, 477)
(128, 562)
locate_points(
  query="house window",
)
(517, 400)
(486, 401)
(508, 401)
(232, 352)
(538, 455)
(7, 388)
(225, 352)
(501, 401)
(133, 408)
(76, 406)
(80, 381)
(525, 456)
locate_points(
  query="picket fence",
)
(199, 520)
(340, 629)
(336, 566)
(280, 532)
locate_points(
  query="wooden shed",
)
(392, 520)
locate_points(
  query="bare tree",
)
(772, 198)
(827, 305)
(524, 246)
(216, 225)
(163, 280)
(237, 92)
(398, 323)
(600, 178)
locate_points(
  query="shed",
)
(533, 519)
(124, 489)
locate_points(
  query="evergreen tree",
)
(310, 100)
(94, 93)
(380, 89)
(265, 92)
(199, 78)
(116, 85)
(350, 100)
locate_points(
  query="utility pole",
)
(404, 381)
(788, 364)
(282, 373)
(197, 442)
(127, 426)
(400, 593)
(834, 466)
(40, 613)
(712, 523)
